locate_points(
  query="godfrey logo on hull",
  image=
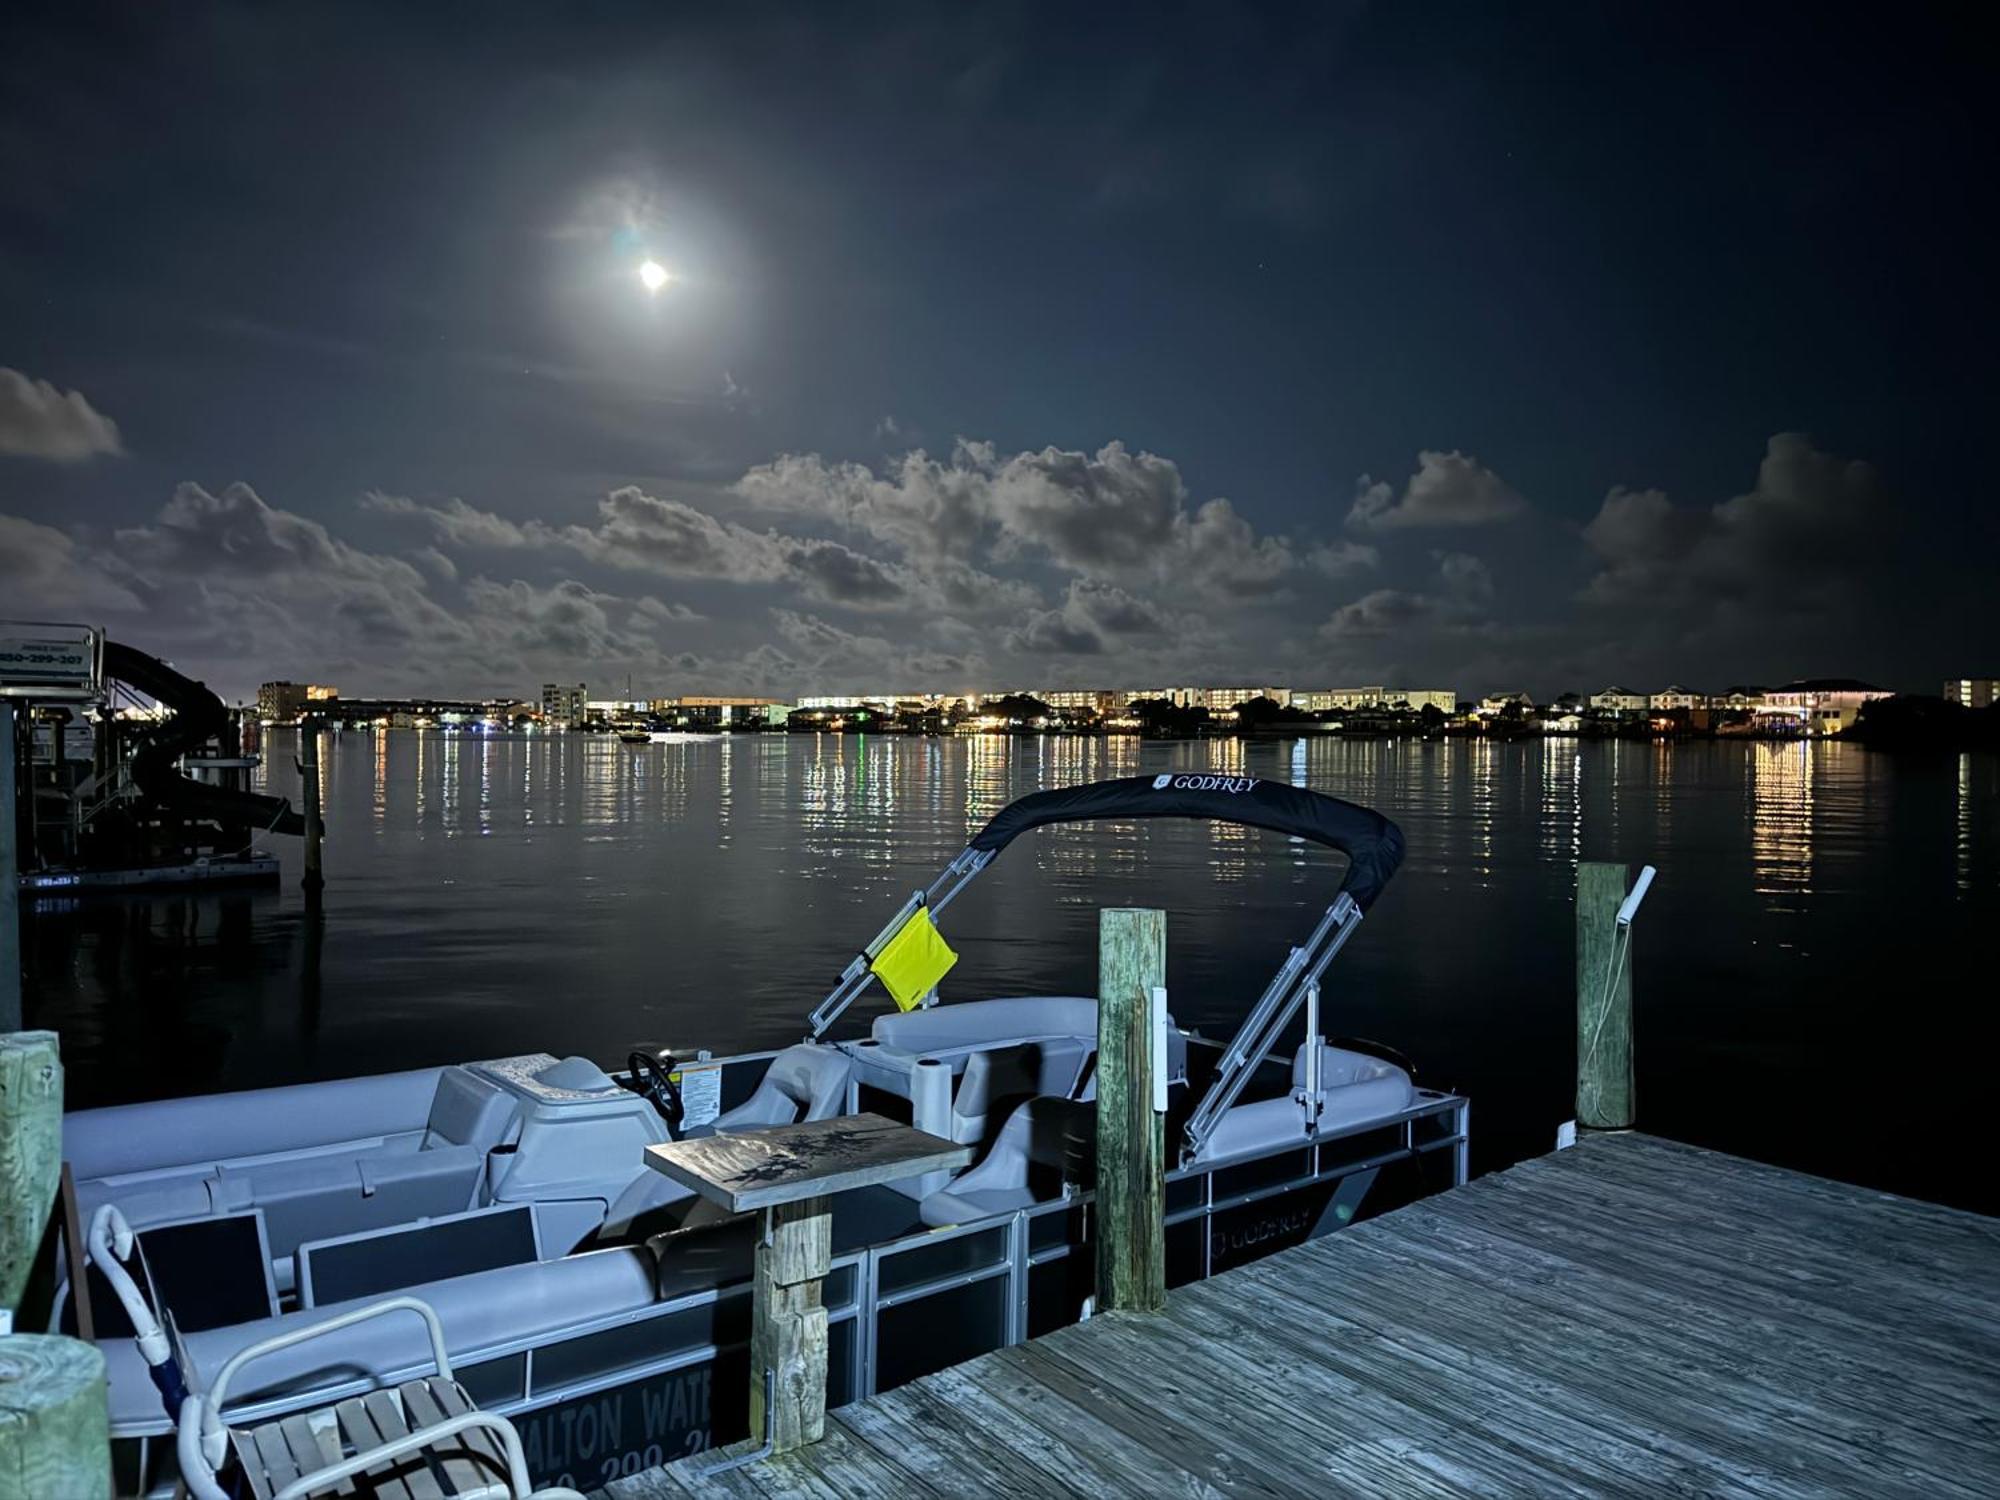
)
(1204, 783)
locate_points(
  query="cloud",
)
(234, 534)
(567, 622)
(39, 421)
(1465, 586)
(1448, 489)
(1111, 514)
(639, 532)
(1379, 613)
(1811, 527)
(1465, 577)
(842, 658)
(44, 571)
(1094, 617)
(459, 523)
(1343, 559)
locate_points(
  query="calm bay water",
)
(1810, 967)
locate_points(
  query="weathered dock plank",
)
(1632, 1317)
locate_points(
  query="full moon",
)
(653, 275)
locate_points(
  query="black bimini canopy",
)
(1373, 845)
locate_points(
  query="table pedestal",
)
(788, 1323)
(791, 1174)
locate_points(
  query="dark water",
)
(1812, 969)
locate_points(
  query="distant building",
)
(1102, 702)
(1821, 705)
(1973, 692)
(564, 706)
(1339, 700)
(1618, 700)
(1497, 703)
(286, 702)
(1223, 700)
(1679, 698)
(421, 713)
(718, 713)
(1741, 699)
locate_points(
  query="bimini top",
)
(1373, 845)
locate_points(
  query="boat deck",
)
(1630, 1317)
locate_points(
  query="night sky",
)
(1003, 346)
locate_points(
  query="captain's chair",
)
(1045, 1143)
(805, 1082)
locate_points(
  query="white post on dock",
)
(10, 879)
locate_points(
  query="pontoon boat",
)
(606, 1311)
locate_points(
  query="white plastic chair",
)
(425, 1437)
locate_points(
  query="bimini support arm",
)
(937, 896)
(1299, 976)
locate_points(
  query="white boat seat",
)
(1359, 1089)
(1024, 1166)
(996, 1080)
(467, 1110)
(805, 1082)
(941, 1030)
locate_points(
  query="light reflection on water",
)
(502, 894)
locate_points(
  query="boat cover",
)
(1373, 845)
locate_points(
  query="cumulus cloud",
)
(39, 421)
(1113, 513)
(1094, 617)
(226, 583)
(1448, 489)
(43, 570)
(1343, 559)
(1379, 613)
(567, 621)
(1465, 577)
(844, 658)
(639, 532)
(1810, 526)
(461, 524)
(1464, 588)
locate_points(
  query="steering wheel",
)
(655, 1080)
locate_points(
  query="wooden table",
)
(791, 1173)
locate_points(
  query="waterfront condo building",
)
(1618, 700)
(1679, 698)
(286, 702)
(1973, 692)
(1821, 705)
(564, 706)
(1335, 700)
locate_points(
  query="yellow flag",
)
(913, 961)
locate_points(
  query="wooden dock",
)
(1631, 1317)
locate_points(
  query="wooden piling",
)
(31, 1099)
(788, 1334)
(1604, 1092)
(1131, 1137)
(314, 881)
(55, 1433)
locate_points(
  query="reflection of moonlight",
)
(653, 275)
